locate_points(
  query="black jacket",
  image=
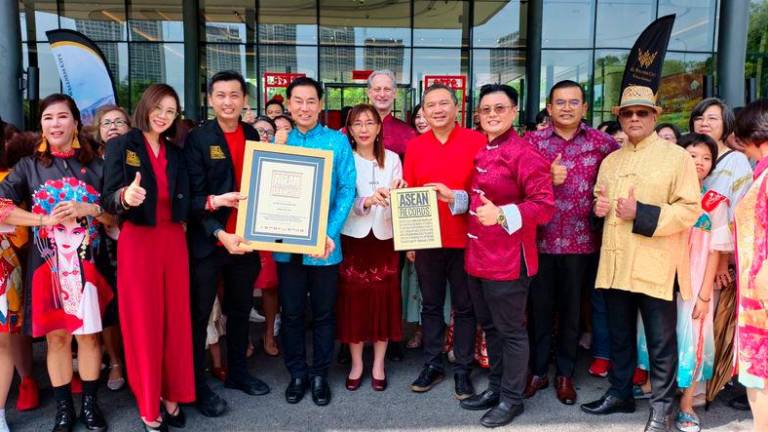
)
(211, 172)
(127, 155)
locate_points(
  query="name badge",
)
(217, 153)
(132, 159)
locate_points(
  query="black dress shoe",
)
(428, 378)
(91, 415)
(321, 392)
(609, 404)
(296, 389)
(210, 404)
(463, 388)
(344, 357)
(176, 420)
(395, 351)
(658, 422)
(65, 416)
(739, 403)
(162, 427)
(500, 415)
(483, 401)
(247, 384)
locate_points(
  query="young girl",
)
(709, 237)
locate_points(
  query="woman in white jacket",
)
(368, 306)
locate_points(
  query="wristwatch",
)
(501, 219)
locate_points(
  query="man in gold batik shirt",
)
(647, 196)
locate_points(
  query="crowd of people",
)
(119, 248)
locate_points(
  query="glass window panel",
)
(282, 59)
(49, 75)
(682, 85)
(500, 24)
(337, 63)
(220, 57)
(100, 21)
(23, 22)
(497, 66)
(564, 65)
(441, 23)
(297, 27)
(757, 47)
(428, 61)
(568, 24)
(156, 63)
(609, 71)
(229, 20)
(40, 16)
(757, 69)
(620, 22)
(153, 21)
(378, 21)
(694, 28)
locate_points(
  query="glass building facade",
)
(484, 41)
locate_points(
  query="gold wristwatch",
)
(501, 219)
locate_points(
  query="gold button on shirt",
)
(663, 175)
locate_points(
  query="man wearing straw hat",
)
(647, 196)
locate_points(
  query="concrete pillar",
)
(11, 95)
(533, 59)
(732, 51)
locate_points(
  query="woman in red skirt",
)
(146, 184)
(368, 305)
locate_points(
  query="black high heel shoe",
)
(162, 427)
(177, 420)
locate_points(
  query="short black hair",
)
(675, 129)
(441, 86)
(274, 101)
(305, 81)
(728, 118)
(611, 127)
(228, 75)
(752, 123)
(495, 88)
(415, 111)
(567, 84)
(694, 139)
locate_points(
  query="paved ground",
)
(396, 409)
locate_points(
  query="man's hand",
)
(330, 246)
(229, 199)
(233, 243)
(134, 194)
(602, 203)
(488, 213)
(626, 208)
(558, 170)
(444, 193)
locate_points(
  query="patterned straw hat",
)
(637, 96)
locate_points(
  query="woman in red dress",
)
(368, 305)
(146, 185)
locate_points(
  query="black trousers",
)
(296, 280)
(500, 310)
(435, 268)
(556, 290)
(238, 273)
(660, 320)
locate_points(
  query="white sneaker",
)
(256, 317)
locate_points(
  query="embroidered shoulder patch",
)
(217, 153)
(132, 159)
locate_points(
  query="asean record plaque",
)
(415, 221)
(287, 190)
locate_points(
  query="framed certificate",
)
(415, 221)
(287, 190)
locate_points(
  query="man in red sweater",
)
(445, 156)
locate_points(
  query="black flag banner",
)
(647, 56)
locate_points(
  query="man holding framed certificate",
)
(316, 275)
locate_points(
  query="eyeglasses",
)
(708, 119)
(165, 113)
(573, 103)
(628, 114)
(359, 125)
(265, 133)
(119, 123)
(498, 109)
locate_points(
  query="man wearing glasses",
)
(214, 152)
(647, 196)
(567, 244)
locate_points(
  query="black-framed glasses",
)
(107, 124)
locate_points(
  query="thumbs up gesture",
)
(602, 203)
(626, 208)
(558, 170)
(488, 213)
(135, 194)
